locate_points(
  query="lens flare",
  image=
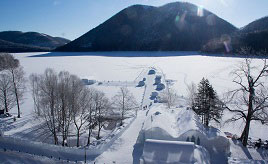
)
(227, 40)
(177, 19)
(200, 11)
(180, 21)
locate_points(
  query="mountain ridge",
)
(171, 27)
(18, 41)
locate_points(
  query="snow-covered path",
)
(148, 90)
(121, 151)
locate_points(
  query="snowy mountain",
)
(17, 41)
(178, 26)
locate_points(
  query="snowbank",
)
(246, 161)
(13, 157)
(59, 152)
(160, 151)
(180, 124)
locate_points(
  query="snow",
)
(121, 150)
(162, 151)
(128, 71)
(240, 154)
(180, 124)
(124, 145)
(13, 157)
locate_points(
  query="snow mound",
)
(182, 124)
(246, 161)
(160, 151)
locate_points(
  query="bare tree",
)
(91, 110)
(191, 94)
(101, 104)
(48, 101)
(7, 60)
(249, 100)
(124, 101)
(35, 89)
(169, 96)
(7, 99)
(12, 66)
(79, 101)
(65, 105)
(18, 81)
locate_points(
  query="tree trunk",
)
(53, 121)
(16, 92)
(6, 105)
(89, 135)
(244, 136)
(122, 117)
(98, 137)
(17, 100)
(78, 136)
(55, 137)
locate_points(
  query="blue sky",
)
(73, 18)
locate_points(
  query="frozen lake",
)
(184, 69)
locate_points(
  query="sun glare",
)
(200, 11)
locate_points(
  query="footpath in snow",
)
(121, 150)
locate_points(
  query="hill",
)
(17, 41)
(6, 46)
(177, 26)
(256, 26)
(254, 35)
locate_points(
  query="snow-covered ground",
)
(13, 157)
(122, 149)
(183, 69)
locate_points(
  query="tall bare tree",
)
(48, 101)
(7, 98)
(79, 101)
(18, 81)
(249, 100)
(35, 89)
(124, 101)
(15, 70)
(169, 96)
(101, 104)
(65, 105)
(191, 94)
(91, 113)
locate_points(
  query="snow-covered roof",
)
(182, 124)
(163, 151)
